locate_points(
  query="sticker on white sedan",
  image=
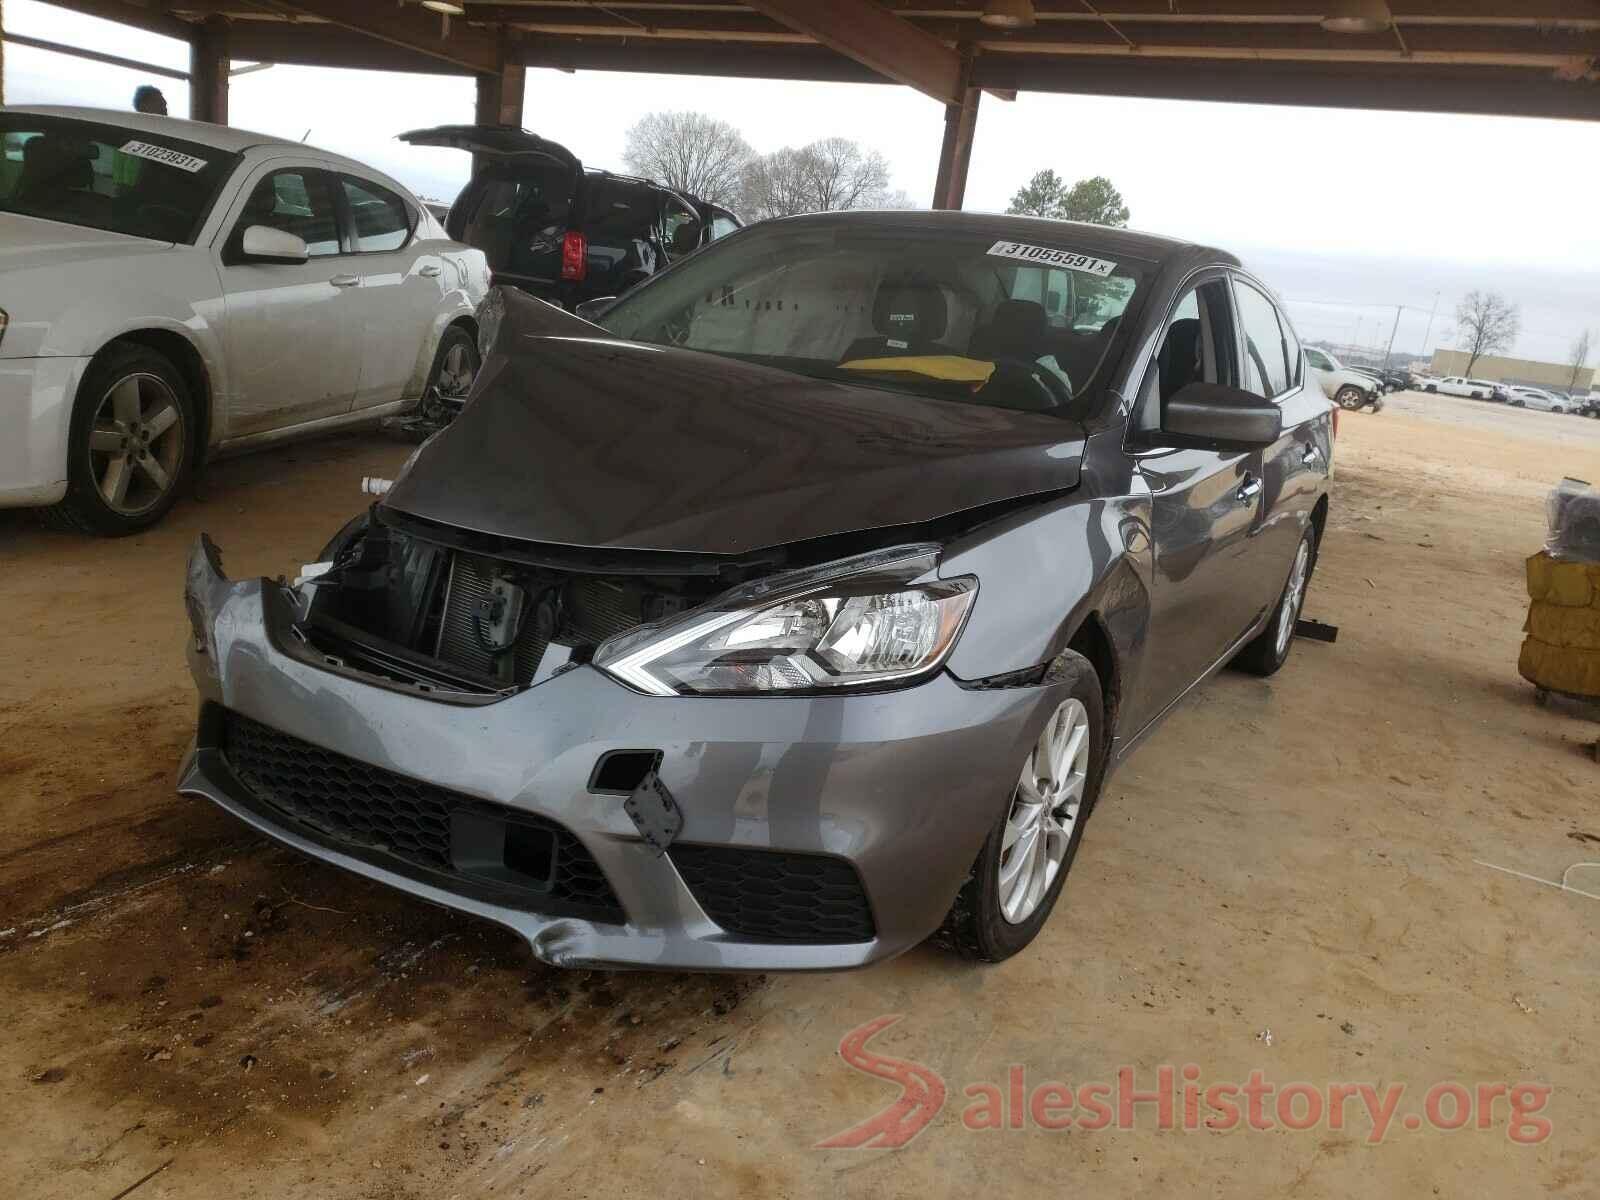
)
(160, 154)
(1048, 256)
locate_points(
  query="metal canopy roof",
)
(1519, 57)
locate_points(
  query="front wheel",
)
(1350, 397)
(1270, 648)
(131, 444)
(1017, 877)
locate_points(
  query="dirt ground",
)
(188, 1006)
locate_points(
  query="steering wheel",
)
(1007, 371)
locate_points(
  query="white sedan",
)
(172, 290)
(1532, 397)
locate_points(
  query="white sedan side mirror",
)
(266, 245)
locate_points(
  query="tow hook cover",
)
(654, 813)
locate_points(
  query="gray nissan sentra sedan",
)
(793, 608)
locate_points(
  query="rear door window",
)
(620, 222)
(681, 226)
(380, 219)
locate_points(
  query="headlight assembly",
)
(859, 623)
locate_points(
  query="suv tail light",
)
(574, 255)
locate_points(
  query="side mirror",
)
(266, 245)
(1213, 414)
(593, 310)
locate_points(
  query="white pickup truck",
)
(1347, 388)
(1472, 389)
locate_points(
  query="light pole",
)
(1432, 312)
(1390, 350)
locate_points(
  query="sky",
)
(1347, 214)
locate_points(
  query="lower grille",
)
(403, 823)
(772, 896)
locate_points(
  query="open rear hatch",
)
(494, 141)
(517, 206)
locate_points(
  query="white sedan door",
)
(401, 289)
(289, 331)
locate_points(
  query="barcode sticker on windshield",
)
(160, 154)
(1048, 256)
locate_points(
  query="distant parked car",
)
(1532, 397)
(170, 290)
(1346, 387)
(562, 232)
(1471, 389)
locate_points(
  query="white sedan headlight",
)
(858, 623)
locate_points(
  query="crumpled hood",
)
(585, 441)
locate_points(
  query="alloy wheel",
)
(1045, 810)
(1293, 596)
(136, 443)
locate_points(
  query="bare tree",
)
(1581, 345)
(828, 175)
(1485, 323)
(691, 152)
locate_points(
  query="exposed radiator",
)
(593, 610)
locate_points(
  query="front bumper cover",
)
(902, 785)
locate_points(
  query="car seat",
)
(1017, 330)
(910, 316)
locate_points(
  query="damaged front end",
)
(473, 619)
(470, 619)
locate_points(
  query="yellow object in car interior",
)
(1562, 650)
(952, 368)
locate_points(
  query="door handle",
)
(1248, 490)
(431, 270)
(1311, 453)
(344, 281)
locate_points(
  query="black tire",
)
(1350, 397)
(84, 509)
(1262, 655)
(1431, 388)
(975, 927)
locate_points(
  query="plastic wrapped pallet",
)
(1572, 512)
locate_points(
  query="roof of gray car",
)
(1100, 238)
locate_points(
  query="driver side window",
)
(298, 202)
(1198, 345)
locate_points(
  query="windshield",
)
(965, 317)
(108, 177)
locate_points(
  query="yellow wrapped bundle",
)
(1562, 650)
(1558, 581)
